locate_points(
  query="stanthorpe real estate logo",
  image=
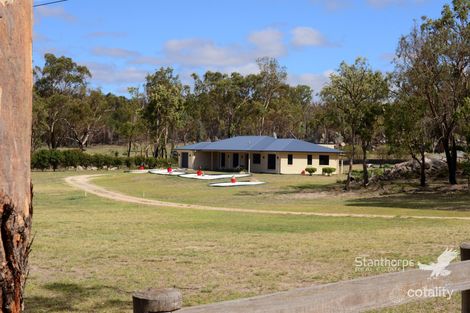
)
(443, 261)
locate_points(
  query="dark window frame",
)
(290, 159)
(222, 159)
(324, 160)
(256, 158)
(309, 159)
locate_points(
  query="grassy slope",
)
(90, 254)
(286, 192)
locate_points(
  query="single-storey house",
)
(259, 154)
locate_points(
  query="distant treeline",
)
(421, 106)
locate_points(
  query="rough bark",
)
(365, 171)
(450, 150)
(422, 172)
(347, 185)
(15, 149)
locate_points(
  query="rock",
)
(92, 168)
(112, 169)
(411, 169)
(79, 168)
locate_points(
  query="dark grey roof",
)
(259, 144)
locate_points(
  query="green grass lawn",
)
(288, 193)
(89, 253)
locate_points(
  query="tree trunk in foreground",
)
(365, 172)
(15, 149)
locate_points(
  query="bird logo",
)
(439, 268)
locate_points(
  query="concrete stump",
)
(155, 300)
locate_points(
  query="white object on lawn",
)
(139, 171)
(158, 171)
(174, 173)
(239, 183)
(213, 176)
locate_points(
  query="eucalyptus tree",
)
(435, 59)
(270, 80)
(16, 208)
(162, 113)
(127, 117)
(60, 82)
(85, 116)
(357, 93)
(408, 128)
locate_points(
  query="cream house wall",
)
(300, 162)
(263, 166)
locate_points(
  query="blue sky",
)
(121, 41)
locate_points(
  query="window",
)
(309, 159)
(256, 158)
(324, 160)
(222, 160)
(290, 159)
(236, 160)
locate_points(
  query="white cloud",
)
(268, 42)
(114, 52)
(315, 81)
(197, 53)
(54, 12)
(109, 74)
(307, 36)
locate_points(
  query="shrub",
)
(107, 160)
(356, 174)
(44, 159)
(328, 170)
(40, 160)
(98, 160)
(71, 158)
(139, 160)
(166, 162)
(311, 170)
(56, 158)
(151, 162)
(466, 170)
(117, 162)
(129, 162)
(376, 171)
(85, 160)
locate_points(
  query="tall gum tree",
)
(435, 59)
(357, 94)
(15, 149)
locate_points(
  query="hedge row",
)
(55, 159)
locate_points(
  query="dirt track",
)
(83, 182)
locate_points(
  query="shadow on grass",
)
(69, 297)
(303, 188)
(423, 201)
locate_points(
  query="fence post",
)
(157, 300)
(465, 256)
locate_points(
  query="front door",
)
(271, 161)
(236, 160)
(184, 160)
